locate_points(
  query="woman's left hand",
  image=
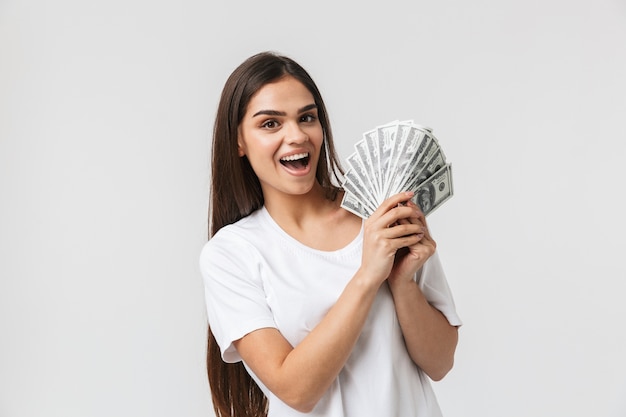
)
(410, 259)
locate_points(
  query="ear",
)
(240, 149)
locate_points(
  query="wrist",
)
(401, 284)
(367, 281)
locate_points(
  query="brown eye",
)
(270, 124)
(308, 118)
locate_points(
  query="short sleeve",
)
(434, 285)
(235, 298)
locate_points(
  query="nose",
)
(295, 134)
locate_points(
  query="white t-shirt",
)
(257, 276)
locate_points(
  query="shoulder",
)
(236, 245)
(243, 232)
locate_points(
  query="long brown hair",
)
(236, 192)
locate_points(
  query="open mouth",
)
(297, 161)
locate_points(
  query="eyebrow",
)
(282, 113)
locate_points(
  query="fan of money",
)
(392, 158)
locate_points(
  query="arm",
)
(300, 375)
(431, 341)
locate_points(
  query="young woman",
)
(311, 309)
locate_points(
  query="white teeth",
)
(295, 157)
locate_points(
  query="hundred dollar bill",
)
(359, 163)
(435, 190)
(371, 144)
(386, 143)
(353, 205)
(408, 178)
(408, 144)
(432, 165)
(353, 185)
(395, 157)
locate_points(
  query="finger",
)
(414, 217)
(427, 239)
(418, 210)
(399, 215)
(397, 237)
(405, 241)
(393, 201)
(420, 214)
(412, 221)
(404, 228)
(420, 218)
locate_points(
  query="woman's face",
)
(281, 135)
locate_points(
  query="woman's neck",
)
(314, 220)
(299, 209)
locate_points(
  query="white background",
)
(106, 110)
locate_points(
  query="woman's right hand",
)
(384, 234)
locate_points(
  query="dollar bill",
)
(411, 177)
(435, 190)
(360, 163)
(386, 143)
(408, 148)
(428, 168)
(371, 145)
(353, 185)
(353, 205)
(395, 157)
